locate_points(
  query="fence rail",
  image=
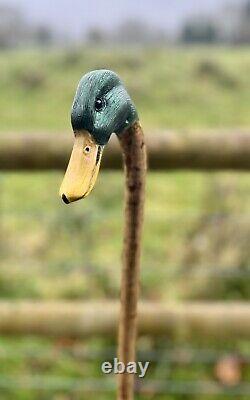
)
(218, 321)
(206, 150)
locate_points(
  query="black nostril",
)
(64, 199)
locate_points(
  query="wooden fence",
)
(207, 150)
(185, 321)
(210, 151)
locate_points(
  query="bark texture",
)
(134, 154)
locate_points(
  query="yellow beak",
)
(83, 168)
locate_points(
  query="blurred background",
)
(186, 65)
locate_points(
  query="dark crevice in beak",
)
(98, 154)
(64, 199)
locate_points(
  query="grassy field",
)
(197, 225)
(184, 88)
(181, 88)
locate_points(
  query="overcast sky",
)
(77, 16)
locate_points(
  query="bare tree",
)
(43, 36)
(199, 30)
(136, 31)
(15, 29)
(13, 26)
(243, 28)
(96, 36)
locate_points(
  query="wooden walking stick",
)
(102, 106)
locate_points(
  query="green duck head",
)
(101, 107)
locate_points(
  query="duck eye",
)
(86, 149)
(99, 104)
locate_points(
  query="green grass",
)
(196, 224)
(184, 88)
(75, 252)
(173, 88)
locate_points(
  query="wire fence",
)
(185, 356)
(166, 359)
(162, 355)
(102, 385)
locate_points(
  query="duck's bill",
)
(83, 168)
